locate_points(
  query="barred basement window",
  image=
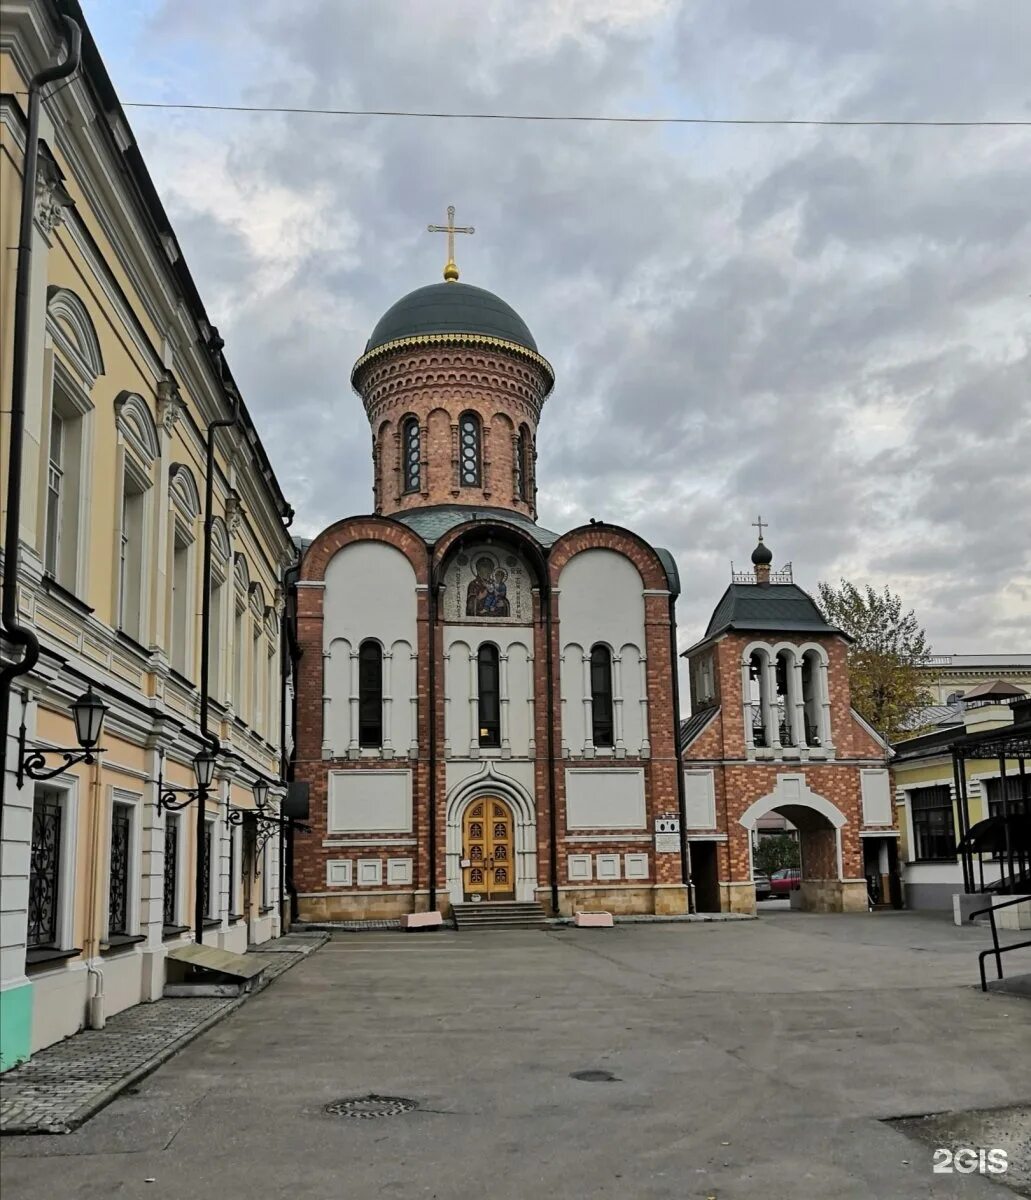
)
(45, 870)
(118, 876)
(370, 694)
(412, 450)
(469, 449)
(934, 829)
(489, 691)
(170, 896)
(601, 696)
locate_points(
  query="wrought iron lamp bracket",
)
(33, 763)
(168, 798)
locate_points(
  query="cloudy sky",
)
(828, 326)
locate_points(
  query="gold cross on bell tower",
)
(450, 271)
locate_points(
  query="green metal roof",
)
(451, 308)
(433, 522)
(783, 607)
(693, 726)
(669, 565)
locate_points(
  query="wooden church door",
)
(488, 860)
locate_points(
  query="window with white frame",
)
(209, 875)
(185, 510)
(234, 872)
(239, 657)
(257, 681)
(139, 449)
(74, 363)
(217, 594)
(170, 910)
(131, 557)
(51, 872)
(65, 474)
(45, 882)
(182, 595)
(121, 875)
(216, 602)
(266, 874)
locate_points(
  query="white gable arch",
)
(136, 425)
(182, 488)
(220, 540)
(70, 325)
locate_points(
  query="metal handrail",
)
(996, 949)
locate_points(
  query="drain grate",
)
(595, 1077)
(366, 1108)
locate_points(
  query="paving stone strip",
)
(64, 1085)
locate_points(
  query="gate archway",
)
(824, 886)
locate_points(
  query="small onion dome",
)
(762, 556)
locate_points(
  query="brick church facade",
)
(772, 730)
(486, 710)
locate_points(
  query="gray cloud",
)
(830, 326)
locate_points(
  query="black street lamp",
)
(88, 713)
(260, 790)
(204, 772)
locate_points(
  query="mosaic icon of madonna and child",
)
(487, 593)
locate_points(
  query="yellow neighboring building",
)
(926, 773)
(125, 375)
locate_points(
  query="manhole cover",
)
(594, 1077)
(364, 1108)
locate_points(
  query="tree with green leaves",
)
(775, 852)
(883, 660)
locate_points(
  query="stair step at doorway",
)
(499, 915)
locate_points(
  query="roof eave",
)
(459, 339)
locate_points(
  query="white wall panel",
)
(370, 802)
(605, 798)
(876, 791)
(700, 799)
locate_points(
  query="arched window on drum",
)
(470, 439)
(411, 450)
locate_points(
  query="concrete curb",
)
(104, 1098)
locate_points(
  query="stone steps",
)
(498, 915)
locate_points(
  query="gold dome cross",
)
(450, 271)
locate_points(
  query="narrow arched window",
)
(601, 696)
(469, 449)
(411, 450)
(370, 694)
(523, 464)
(489, 692)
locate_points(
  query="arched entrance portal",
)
(824, 886)
(488, 850)
(490, 785)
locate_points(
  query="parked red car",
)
(788, 879)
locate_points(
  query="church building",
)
(773, 730)
(486, 709)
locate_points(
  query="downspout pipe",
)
(20, 636)
(685, 869)
(431, 712)
(211, 740)
(549, 659)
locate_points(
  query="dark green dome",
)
(451, 308)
